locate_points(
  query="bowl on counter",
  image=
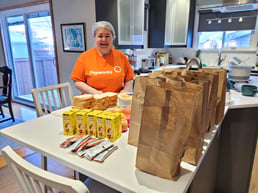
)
(239, 73)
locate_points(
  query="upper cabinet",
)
(177, 19)
(130, 22)
(127, 17)
(171, 23)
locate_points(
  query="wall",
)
(75, 11)
(67, 11)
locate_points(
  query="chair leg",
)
(1, 111)
(11, 110)
(44, 162)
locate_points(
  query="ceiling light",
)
(229, 20)
(209, 22)
(219, 20)
(240, 19)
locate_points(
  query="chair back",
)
(51, 98)
(36, 180)
(6, 81)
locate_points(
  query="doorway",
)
(29, 49)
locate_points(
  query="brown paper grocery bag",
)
(212, 96)
(194, 144)
(167, 119)
(221, 94)
(136, 107)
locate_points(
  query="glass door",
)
(29, 50)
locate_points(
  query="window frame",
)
(253, 39)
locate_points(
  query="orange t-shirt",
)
(105, 73)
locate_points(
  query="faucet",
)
(194, 60)
(220, 60)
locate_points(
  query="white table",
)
(44, 135)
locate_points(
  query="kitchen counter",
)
(226, 165)
(237, 100)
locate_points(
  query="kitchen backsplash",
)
(210, 58)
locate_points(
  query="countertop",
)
(235, 99)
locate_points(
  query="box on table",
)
(81, 121)
(92, 122)
(101, 129)
(113, 126)
(69, 126)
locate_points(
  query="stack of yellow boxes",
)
(101, 124)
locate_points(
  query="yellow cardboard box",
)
(92, 122)
(101, 118)
(69, 126)
(81, 121)
(112, 127)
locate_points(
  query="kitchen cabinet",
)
(171, 23)
(227, 165)
(127, 18)
(107, 11)
(130, 22)
(157, 18)
(177, 19)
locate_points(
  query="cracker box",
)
(92, 122)
(118, 119)
(74, 109)
(101, 132)
(111, 124)
(69, 122)
(81, 121)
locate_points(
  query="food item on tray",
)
(124, 100)
(100, 102)
(112, 99)
(83, 101)
(96, 102)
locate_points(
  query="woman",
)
(103, 68)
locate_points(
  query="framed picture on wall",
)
(73, 37)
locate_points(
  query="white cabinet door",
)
(130, 22)
(177, 17)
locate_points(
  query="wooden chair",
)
(6, 91)
(51, 98)
(36, 180)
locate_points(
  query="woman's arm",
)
(128, 86)
(85, 88)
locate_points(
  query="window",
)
(226, 30)
(224, 39)
(29, 49)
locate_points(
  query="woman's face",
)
(104, 41)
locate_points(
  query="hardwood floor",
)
(8, 183)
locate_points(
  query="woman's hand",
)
(128, 86)
(86, 89)
(123, 91)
